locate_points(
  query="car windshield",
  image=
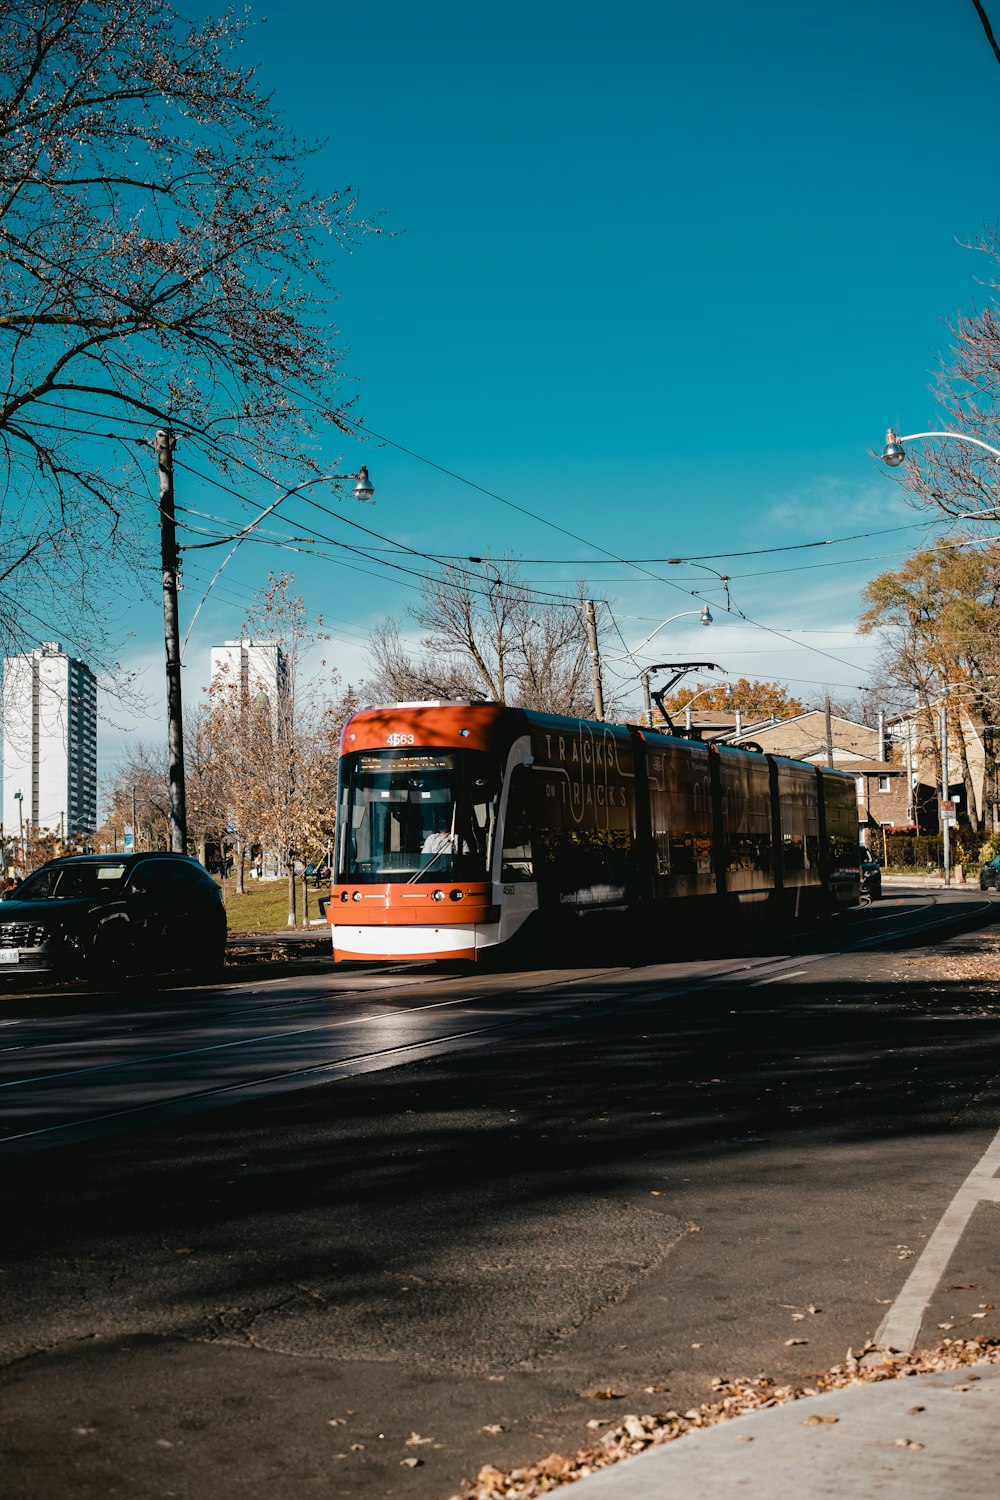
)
(63, 882)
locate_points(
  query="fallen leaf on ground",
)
(815, 1421)
(731, 1398)
(495, 1427)
(410, 1463)
(790, 1342)
(416, 1441)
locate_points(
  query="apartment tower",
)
(257, 668)
(49, 743)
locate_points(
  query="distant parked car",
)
(104, 916)
(871, 874)
(989, 875)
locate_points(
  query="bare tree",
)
(137, 797)
(237, 744)
(486, 635)
(955, 477)
(163, 265)
(207, 761)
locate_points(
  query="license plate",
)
(10, 955)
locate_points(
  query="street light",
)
(364, 491)
(700, 694)
(706, 619)
(894, 453)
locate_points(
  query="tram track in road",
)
(55, 1088)
(159, 1010)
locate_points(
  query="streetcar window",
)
(413, 816)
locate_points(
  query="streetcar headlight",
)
(458, 895)
(437, 895)
(356, 896)
(344, 896)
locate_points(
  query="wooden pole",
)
(170, 558)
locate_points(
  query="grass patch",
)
(264, 906)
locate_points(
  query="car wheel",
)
(209, 960)
(213, 964)
(110, 956)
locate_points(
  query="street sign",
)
(947, 807)
(128, 842)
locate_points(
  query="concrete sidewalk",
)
(922, 1437)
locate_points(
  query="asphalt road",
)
(294, 1234)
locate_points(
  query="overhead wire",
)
(380, 437)
(540, 596)
(689, 593)
(364, 431)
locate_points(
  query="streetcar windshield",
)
(416, 815)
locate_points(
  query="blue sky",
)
(662, 275)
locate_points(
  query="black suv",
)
(103, 916)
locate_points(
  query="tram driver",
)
(442, 838)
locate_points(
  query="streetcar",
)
(471, 829)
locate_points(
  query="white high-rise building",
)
(49, 743)
(256, 667)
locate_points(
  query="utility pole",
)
(595, 659)
(170, 557)
(647, 700)
(829, 731)
(945, 790)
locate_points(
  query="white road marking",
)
(795, 974)
(900, 1328)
